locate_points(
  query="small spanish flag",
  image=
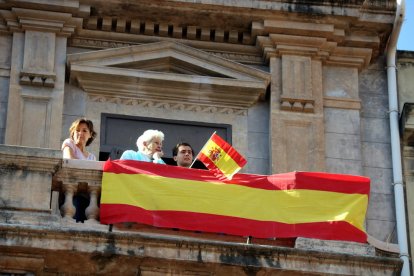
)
(221, 158)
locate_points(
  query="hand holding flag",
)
(221, 158)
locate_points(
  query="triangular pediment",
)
(170, 65)
(166, 71)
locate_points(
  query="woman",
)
(81, 135)
(149, 148)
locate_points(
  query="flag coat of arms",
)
(296, 204)
(221, 158)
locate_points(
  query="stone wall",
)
(405, 65)
(376, 150)
(5, 59)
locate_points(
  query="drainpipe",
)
(395, 138)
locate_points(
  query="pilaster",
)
(299, 54)
(296, 114)
(37, 74)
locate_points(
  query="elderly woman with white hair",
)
(149, 148)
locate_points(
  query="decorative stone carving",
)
(35, 79)
(168, 29)
(78, 176)
(166, 71)
(297, 138)
(37, 72)
(297, 84)
(169, 105)
(39, 59)
(21, 19)
(316, 40)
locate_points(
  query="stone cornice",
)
(360, 26)
(319, 41)
(70, 6)
(342, 103)
(241, 56)
(21, 20)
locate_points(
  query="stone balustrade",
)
(78, 178)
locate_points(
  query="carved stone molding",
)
(168, 105)
(36, 79)
(297, 84)
(297, 105)
(98, 43)
(95, 43)
(246, 59)
(323, 42)
(169, 29)
(20, 20)
(167, 71)
(159, 254)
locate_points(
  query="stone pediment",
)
(168, 72)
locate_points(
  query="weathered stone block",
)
(374, 106)
(340, 82)
(384, 230)
(342, 121)
(334, 165)
(375, 130)
(381, 206)
(335, 246)
(377, 155)
(343, 146)
(26, 177)
(381, 179)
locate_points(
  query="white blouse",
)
(76, 151)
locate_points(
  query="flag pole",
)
(202, 149)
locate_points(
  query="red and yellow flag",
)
(297, 204)
(221, 158)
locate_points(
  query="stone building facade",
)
(405, 65)
(294, 85)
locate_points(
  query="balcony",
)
(39, 236)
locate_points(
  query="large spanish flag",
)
(297, 204)
(221, 158)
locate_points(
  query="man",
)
(183, 155)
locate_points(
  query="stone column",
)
(37, 76)
(68, 210)
(92, 211)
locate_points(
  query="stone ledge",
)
(353, 248)
(187, 252)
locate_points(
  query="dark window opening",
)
(120, 133)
